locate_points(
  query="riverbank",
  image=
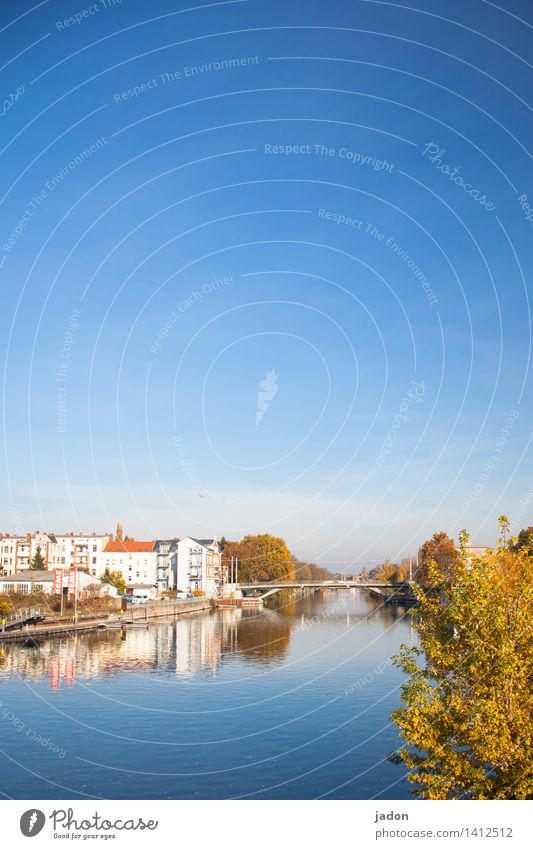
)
(132, 614)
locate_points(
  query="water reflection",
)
(191, 645)
(289, 701)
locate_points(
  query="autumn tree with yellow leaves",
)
(260, 558)
(467, 718)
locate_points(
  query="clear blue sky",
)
(308, 157)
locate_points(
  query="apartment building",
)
(136, 560)
(67, 551)
(16, 552)
(186, 564)
(9, 550)
(81, 551)
(165, 571)
(198, 566)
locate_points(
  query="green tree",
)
(524, 540)
(441, 549)
(38, 562)
(261, 558)
(468, 711)
(222, 543)
(115, 579)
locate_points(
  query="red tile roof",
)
(130, 545)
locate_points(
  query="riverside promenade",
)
(106, 621)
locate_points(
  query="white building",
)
(81, 551)
(37, 579)
(8, 553)
(67, 551)
(165, 573)
(198, 566)
(134, 559)
(16, 552)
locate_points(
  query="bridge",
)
(263, 590)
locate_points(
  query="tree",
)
(439, 548)
(364, 574)
(119, 533)
(222, 544)
(305, 571)
(115, 579)
(261, 558)
(403, 570)
(387, 571)
(302, 570)
(468, 710)
(524, 540)
(38, 562)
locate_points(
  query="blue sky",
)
(292, 206)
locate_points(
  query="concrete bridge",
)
(263, 590)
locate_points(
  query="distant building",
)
(146, 591)
(81, 551)
(198, 566)
(477, 550)
(165, 571)
(40, 579)
(9, 552)
(16, 552)
(135, 560)
(186, 564)
(69, 551)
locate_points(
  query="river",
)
(292, 701)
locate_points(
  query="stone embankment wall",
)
(155, 609)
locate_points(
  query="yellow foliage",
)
(469, 711)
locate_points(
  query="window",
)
(94, 559)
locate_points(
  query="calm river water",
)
(289, 702)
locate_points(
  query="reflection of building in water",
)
(201, 641)
(185, 646)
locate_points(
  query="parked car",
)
(135, 599)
